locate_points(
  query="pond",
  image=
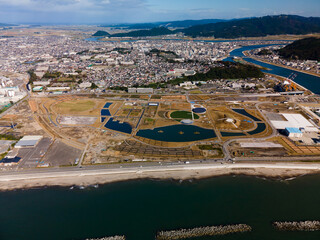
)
(107, 105)
(245, 113)
(177, 133)
(105, 112)
(232, 134)
(117, 126)
(261, 127)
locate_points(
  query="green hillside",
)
(145, 33)
(101, 34)
(304, 49)
(256, 27)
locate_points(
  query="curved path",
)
(274, 133)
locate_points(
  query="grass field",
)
(183, 115)
(75, 106)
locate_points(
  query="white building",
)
(58, 88)
(41, 83)
(294, 121)
(85, 85)
(28, 141)
(144, 90)
(140, 90)
(293, 132)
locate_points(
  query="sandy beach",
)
(103, 176)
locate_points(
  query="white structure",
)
(127, 63)
(293, 132)
(28, 141)
(132, 90)
(295, 121)
(187, 85)
(144, 90)
(58, 88)
(85, 85)
(153, 104)
(140, 90)
(41, 83)
(9, 94)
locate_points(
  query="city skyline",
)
(135, 11)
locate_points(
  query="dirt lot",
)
(61, 154)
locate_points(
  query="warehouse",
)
(294, 121)
(293, 132)
(28, 141)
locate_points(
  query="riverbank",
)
(86, 177)
(280, 65)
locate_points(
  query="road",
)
(274, 133)
(136, 169)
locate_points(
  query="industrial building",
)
(28, 141)
(37, 89)
(293, 132)
(294, 121)
(140, 90)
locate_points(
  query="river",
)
(308, 81)
(138, 209)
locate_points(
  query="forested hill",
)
(256, 27)
(145, 33)
(304, 49)
(101, 34)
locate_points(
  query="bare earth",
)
(103, 176)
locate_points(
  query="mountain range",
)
(6, 25)
(250, 27)
(257, 27)
(169, 24)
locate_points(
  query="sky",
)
(134, 11)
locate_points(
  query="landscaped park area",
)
(159, 125)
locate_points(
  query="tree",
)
(94, 86)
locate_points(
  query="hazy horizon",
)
(79, 12)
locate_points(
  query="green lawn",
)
(183, 115)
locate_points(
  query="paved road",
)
(126, 169)
(225, 146)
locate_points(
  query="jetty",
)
(298, 226)
(109, 238)
(202, 232)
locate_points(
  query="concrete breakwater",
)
(202, 231)
(298, 226)
(109, 238)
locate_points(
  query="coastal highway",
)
(138, 170)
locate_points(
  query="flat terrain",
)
(74, 106)
(61, 154)
(179, 115)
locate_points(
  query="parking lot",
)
(31, 157)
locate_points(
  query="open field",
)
(74, 106)
(179, 115)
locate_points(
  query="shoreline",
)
(106, 176)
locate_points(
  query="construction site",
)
(84, 130)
